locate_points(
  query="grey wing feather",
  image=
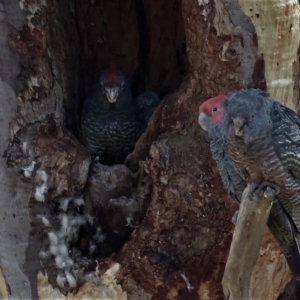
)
(284, 231)
(232, 181)
(286, 136)
(286, 141)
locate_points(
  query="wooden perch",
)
(246, 241)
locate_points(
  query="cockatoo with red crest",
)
(112, 120)
(212, 120)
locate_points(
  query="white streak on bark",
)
(278, 32)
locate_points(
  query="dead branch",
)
(246, 241)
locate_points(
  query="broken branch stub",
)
(246, 241)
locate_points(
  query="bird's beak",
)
(202, 120)
(112, 94)
(238, 124)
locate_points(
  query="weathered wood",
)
(277, 36)
(246, 241)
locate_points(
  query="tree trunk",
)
(179, 230)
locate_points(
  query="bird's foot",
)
(234, 217)
(265, 190)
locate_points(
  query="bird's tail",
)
(284, 231)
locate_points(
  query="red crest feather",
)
(112, 72)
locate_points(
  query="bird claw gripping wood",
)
(266, 190)
(234, 217)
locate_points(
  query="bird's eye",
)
(252, 116)
(214, 109)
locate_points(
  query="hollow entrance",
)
(145, 38)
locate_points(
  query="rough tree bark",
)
(51, 55)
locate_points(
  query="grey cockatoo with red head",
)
(112, 120)
(224, 119)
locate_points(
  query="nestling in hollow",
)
(112, 120)
(251, 141)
